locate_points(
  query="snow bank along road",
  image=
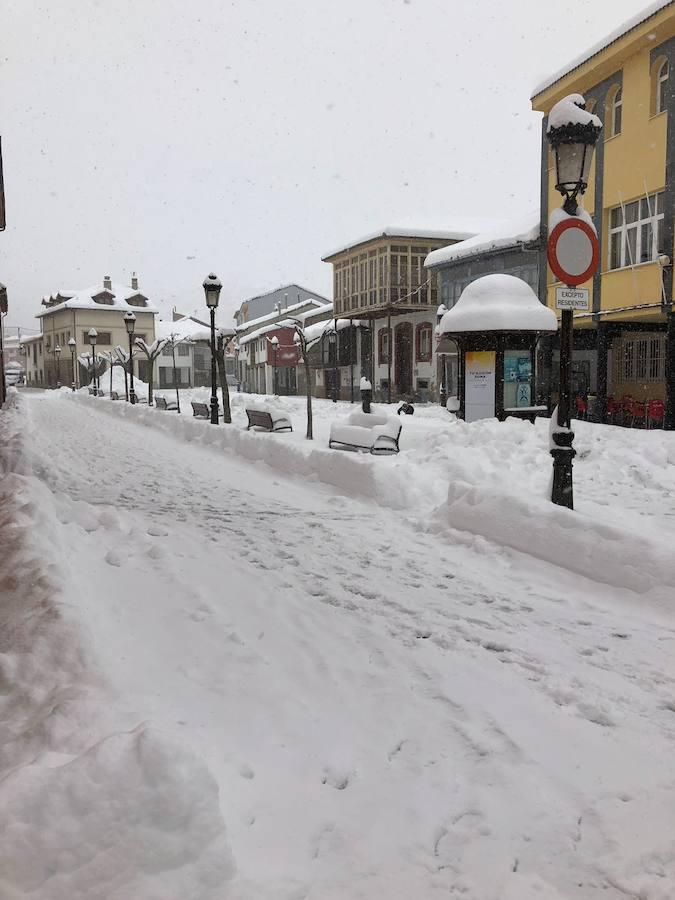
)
(224, 682)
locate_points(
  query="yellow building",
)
(625, 344)
(70, 314)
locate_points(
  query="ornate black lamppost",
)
(130, 324)
(572, 133)
(212, 289)
(57, 354)
(275, 349)
(92, 334)
(72, 345)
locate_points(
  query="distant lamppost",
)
(275, 349)
(57, 354)
(92, 334)
(130, 323)
(572, 133)
(73, 345)
(443, 387)
(332, 354)
(212, 288)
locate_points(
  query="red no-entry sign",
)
(573, 251)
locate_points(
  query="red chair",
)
(626, 409)
(613, 409)
(656, 412)
(581, 406)
(639, 413)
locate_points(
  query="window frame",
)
(628, 235)
(422, 329)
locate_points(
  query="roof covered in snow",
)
(118, 296)
(503, 235)
(498, 303)
(313, 303)
(399, 231)
(655, 7)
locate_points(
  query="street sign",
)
(571, 298)
(573, 251)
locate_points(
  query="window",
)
(383, 346)
(613, 112)
(635, 231)
(183, 350)
(102, 338)
(659, 86)
(424, 332)
(166, 350)
(641, 358)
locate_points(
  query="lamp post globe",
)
(212, 287)
(130, 325)
(572, 132)
(57, 354)
(275, 349)
(92, 334)
(72, 344)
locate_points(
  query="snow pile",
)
(133, 816)
(498, 303)
(88, 810)
(459, 470)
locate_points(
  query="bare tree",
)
(303, 345)
(173, 341)
(224, 338)
(152, 352)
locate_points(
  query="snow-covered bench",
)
(163, 403)
(366, 433)
(268, 419)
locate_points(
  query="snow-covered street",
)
(390, 706)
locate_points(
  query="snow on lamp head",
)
(130, 322)
(92, 334)
(572, 133)
(212, 287)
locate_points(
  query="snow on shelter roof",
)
(398, 231)
(498, 303)
(649, 11)
(84, 299)
(511, 233)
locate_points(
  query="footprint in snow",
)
(115, 557)
(335, 778)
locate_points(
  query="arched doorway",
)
(403, 356)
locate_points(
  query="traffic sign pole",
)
(573, 255)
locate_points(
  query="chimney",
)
(134, 281)
(107, 283)
(285, 301)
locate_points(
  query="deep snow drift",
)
(349, 663)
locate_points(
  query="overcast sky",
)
(251, 137)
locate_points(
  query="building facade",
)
(278, 299)
(71, 314)
(509, 248)
(625, 343)
(255, 358)
(381, 279)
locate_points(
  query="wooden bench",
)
(259, 418)
(366, 433)
(114, 395)
(96, 393)
(162, 403)
(203, 410)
